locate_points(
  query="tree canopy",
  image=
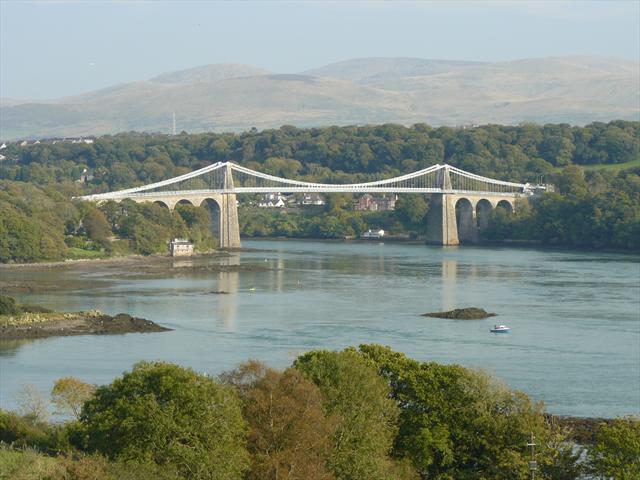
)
(290, 434)
(360, 413)
(169, 415)
(616, 451)
(355, 393)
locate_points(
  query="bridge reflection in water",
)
(227, 303)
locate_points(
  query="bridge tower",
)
(441, 218)
(229, 226)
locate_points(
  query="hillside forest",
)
(595, 170)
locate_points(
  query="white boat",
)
(500, 329)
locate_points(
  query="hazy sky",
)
(60, 47)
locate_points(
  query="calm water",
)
(575, 317)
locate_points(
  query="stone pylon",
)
(441, 218)
(229, 226)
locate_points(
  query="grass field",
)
(27, 465)
(79, 253)
(611, 167)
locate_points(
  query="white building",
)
(180, 247)
(85, 176)
(272, 200)
(379, 233)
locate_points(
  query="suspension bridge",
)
(452, 190)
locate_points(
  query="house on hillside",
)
(365, 203)
(387, 203)
(85, 176)
(272, 200)
(369, 203)
(313, 199)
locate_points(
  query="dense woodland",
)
(596, 208)
(367, 413)
(523, 153)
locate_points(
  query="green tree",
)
(149, 237)
(169, 415)
(355, 393)
(411, 210)
(616, 451)
(457, 423)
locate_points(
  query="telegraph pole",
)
(533, 465)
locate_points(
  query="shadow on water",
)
(9, 348)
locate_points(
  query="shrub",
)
(8, 306)
(27, 308)
(24, 432)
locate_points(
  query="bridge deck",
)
(337, 189)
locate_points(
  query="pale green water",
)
(575, 316)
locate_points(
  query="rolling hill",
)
(573, 90)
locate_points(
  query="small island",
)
(33, 321)
(470, 313)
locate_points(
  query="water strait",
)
(575, 316)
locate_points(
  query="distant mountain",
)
(574, 90)
(377, 69)
(10, 102)
(210, 73)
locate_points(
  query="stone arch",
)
(184, 201)
(465, 220)
(215, 209)
(506, 204)
(483, 212)
(162, 204)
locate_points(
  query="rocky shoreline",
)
(470, 313)
(583, 429)
(57, 324)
